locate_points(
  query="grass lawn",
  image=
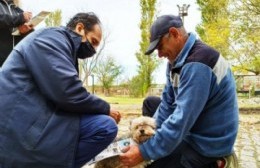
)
(123, 100)
(134, 104)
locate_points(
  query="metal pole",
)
(93, 86)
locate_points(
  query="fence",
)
(248, 85)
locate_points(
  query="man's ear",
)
(173, 32)
(80, 28)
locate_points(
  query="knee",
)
(150, 105)
(108, 127)
(152, 101)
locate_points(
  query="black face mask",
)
(85, 50)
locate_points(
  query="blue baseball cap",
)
(160, 27)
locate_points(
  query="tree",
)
(107, 72)
(54, 19)
(233, 28)
(134, 86)
(245, 39)
(86, 66)
(147, 64)
(215, 27)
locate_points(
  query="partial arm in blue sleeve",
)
(167, 105)
(50, 60)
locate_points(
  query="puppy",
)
(141, 129)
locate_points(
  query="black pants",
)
(184, 156)
(150, 105)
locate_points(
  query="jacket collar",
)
(74, 37)
(179, 61)
(76, 41)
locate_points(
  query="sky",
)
(120, 19)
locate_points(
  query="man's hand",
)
(132, 156)
(115, 115)
(27, 16)
(25, 28)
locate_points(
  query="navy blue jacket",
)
(199, 105)
(11, 17)
(42, 99)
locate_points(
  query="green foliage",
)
(54, 19)
(252, 91)
(245, 17)
(135, 86)
(215, 27)
(123, 100)
(233, 28)
(107, 72)
(147, 64)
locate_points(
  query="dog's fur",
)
(141, 129)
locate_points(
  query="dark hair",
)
(88, 19)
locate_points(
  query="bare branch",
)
(89, 64)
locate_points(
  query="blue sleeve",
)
(50, 61)
(193, 93)
(167, 105)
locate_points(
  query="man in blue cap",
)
(197, 119)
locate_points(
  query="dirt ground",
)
(247, 145)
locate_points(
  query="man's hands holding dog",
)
(132, 156)
(115, 115)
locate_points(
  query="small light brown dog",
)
(141, 129)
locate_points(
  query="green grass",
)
(123, 100)
(139, 101)
(253, 106)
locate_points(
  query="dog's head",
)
(142, 128)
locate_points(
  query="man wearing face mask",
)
(48, 119)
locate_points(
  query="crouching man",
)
(48, 119)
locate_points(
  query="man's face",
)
(94, 36)
(168, 47)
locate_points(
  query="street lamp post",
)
(93, 86)
(183, 11)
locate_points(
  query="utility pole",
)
(93, 84)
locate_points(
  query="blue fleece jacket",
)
(198, 105)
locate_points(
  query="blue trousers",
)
(184, 156)
(96, 133)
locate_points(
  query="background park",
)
(125, 76)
